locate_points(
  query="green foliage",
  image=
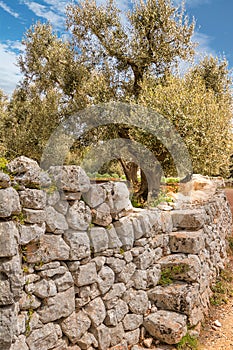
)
(3, 164)
(222, 288)
(188, 343)
(20, 218)
(169, 274)
(28, 320)
(162, 197)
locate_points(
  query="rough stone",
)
(169, 327)
(96, 311)
(7, 322)
(95, 196)
(79, 216)
(32, 198)
(47, 249)
(120, 197)
(45, 289)
(55, 222)
(33, 216)
(106, 279)
(64, 282)
(102, 334)
(13, 270)
(62, 206)
(6, 297)
(132, 337)
(115, 292)
(116, 264)
(5, 180)
(9, 202)
(44, 338)
(28, 301)
(21, 165)
(99, 239)
(144, 260)
(101, 215)
(61, 305)
(29, 233)
(75, 326)
(70, 178)
(51, 272)
(132, 321)
(127, 272)
(20, 344)
(8, 239)
(137, 301)
(87, 341)
(124, 229)
(187, 242)
(117, 334)
(139, 279)
(85, 275)
(179, 297)
(189, 219)
(79, 244)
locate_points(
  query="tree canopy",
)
(126, 57)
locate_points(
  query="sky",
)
(213, 32)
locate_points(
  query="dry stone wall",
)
(81, 269)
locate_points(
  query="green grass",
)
(188, 343)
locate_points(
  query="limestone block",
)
(137, 301)
(79, 216)
(166, 222)
(28, 301)
(190, 219)
(99, 261)
(5, 180)
(32, 199)
(121, 309)
(153, 276)
(85, 275)
(61, 305)
(62, 206)
(102, 334)
(181, 267)
(70, 178)
(51, 272)
(28, 233)
(6, 296)
(20, 344)
(127, 272)
(55, 222)
(115, 292)
(106, 278)
(47, 249)
(111, 319)
(87, 341)
(32, 216)
(179, 297)
(101, 215)
(79, 244)
(124, 229)
(96, 311)
(13, 270)
(117, 334)
(137, 227)
(132, 321)
(145, 260)
(7, 326)
(98, 239)
(9, 202)
(53, 198)
(166, 326)
(120, 197)
(8, 239)
(116, 264)
(187, 242)
(75, 326)
(21, 165)
(139, 279)
(43, 338)
(95, 196)
(45, 288)
(64, 282)
(132, 337)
